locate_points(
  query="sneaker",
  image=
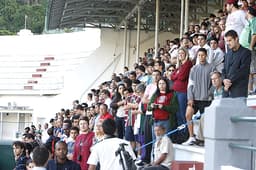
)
(198, 142)
(190, 141)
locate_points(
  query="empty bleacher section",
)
(36, 64)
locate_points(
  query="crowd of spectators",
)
(162, 91)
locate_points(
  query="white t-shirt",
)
(236, 21)
(107, 102)
(104, 152)
(150, 90)
(164, 146)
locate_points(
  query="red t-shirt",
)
(82, 147)
(164, 99)
(106, 116)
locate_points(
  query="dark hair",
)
(172, 65)
(90, 95)
(79, 107)
(30, 136)
(74, 128)
(109, 127)
(27, 129)
(133, 73)
(106, 92)
(60, 142)
(28, 162)
(231, 33)
(128, 82)
(167, 90)
(202, 50)
(105, 105)
(76, 101)
(202, 35)
(28, 147)
(75, 117)
(50, 131)
(158, 72)
(40, 156)
(85, 118)
(136, 82)
(213, 39)
(141, 68)
(68, 122)
(19, 144)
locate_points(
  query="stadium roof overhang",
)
(112, 14)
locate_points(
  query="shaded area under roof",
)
(111, 13)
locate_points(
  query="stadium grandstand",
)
(105, 59)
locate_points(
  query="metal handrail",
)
(245, 147)
(243, 119)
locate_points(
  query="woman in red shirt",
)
(180, 83)
(163, 105)
(83, 144)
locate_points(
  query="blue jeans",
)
(181, 114)
(120, 124)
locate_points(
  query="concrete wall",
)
(220, 131)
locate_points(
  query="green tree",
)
(12, 16)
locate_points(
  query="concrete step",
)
(188, 153)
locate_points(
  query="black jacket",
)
(237, 69)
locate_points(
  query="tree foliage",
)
(12, 16)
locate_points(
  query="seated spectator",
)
(61, 161)
(163, 150)
(216, 92)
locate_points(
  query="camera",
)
(155, 106)
(79, 158)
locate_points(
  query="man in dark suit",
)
(236, 67)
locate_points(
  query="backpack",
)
(126, 159)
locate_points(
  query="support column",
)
(156, 28)
(1, 132)
(125, 43)
(138, 36)
(18, 122)
(181, 18)
(186, 15)
(129, 45)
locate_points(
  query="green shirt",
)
(248, 31)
